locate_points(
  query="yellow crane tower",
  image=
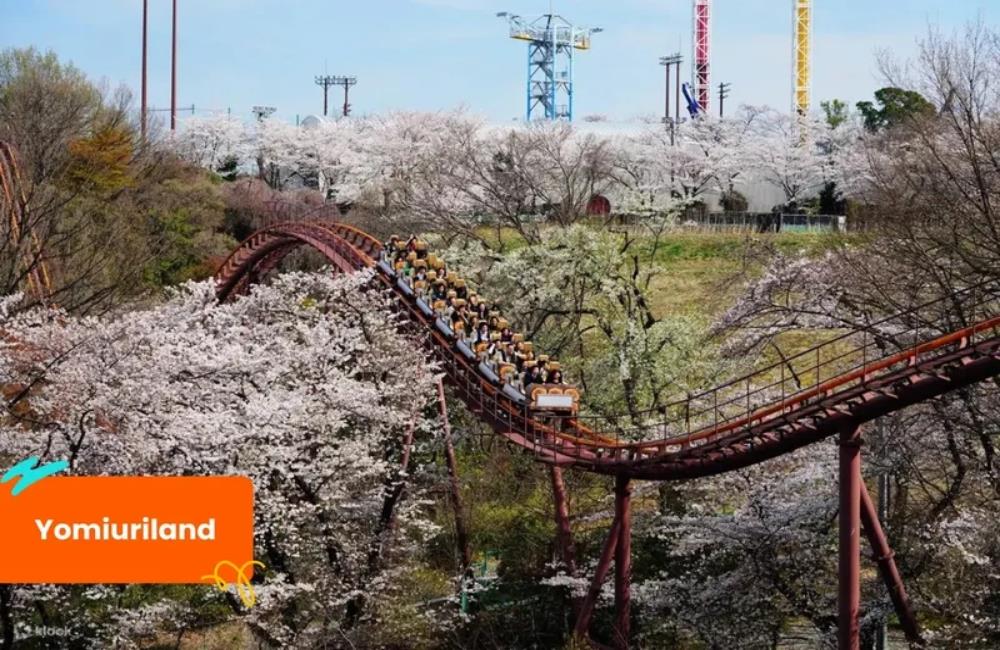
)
(801, 54)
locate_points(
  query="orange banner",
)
(122, 529)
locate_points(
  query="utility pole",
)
(668, 62)
(325, 81)
(677, 97)
(723, 94)
(173, 72)
(666, 94)
(882, 633)
(346, 82)
(142, 109)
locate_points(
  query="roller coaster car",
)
(555, 397)
(548, 398)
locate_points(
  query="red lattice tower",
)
(701, 42)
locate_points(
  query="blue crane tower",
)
(551, 42)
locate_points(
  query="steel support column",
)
(887, 567)
(461, 533)
(623, 561)
(849, 569)
(600, 573)
(564, 533)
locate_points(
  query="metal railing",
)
(843, 363)
(747, 221)
(839, 364)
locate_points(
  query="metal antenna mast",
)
(552, 41)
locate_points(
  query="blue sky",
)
(439, 54)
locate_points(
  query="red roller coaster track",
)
(829, 390)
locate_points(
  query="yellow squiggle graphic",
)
(243, 587)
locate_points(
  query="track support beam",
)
(564, 532)
(623, 562)
(603, 566)
(887, 568)
(461, 532)
(849, 561)
(618, 546)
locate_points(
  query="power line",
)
(173, 110)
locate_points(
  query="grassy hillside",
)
(702, 272)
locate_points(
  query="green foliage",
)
(44, 105)
(179, 262)
(510, 511)
(829, 200)
(100, 163)
(835, 111)
(229, 169)
(733, 201)
(183, 222)
(728, 248)
(410, 615)
(895, 106)
(112, 215)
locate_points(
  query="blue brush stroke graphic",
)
(30, 474)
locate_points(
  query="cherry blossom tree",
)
(305, 386)
(212, 141)
(784, 150)
(520, 177)
(645, 174)
(748, 552)
(940, 455)
(658, 171)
